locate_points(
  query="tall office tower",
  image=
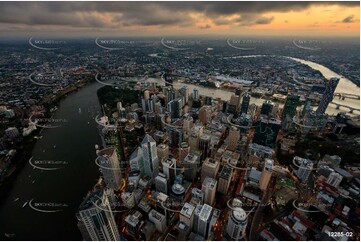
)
(136, 161)
(305, 167)
(186, 215)
(184, 93)
(175, 108)
(161, 184)
(119, 106)
(171, 95)
(237, 223)
(204, 114)
(208, 101)
(193, 142)
(307, 107)
(122, 113)
(158, 219)
(95, 218)
(165, 91)
(204, 219)
(191, 163)
(233, 138)
(150, 157)
(205, 146)
(197, 212)
(195, 94)
(158, 109)
(175, 136)
(183, 151)
(266, 107)
(168, 76)
(266, 132)
(245, 103)
(188, 124)
(146, 95)
(266, 174)
(328, 95)
(169, 169)
(232, 105)
(334, 179)
(109, 166)
(210, 168)
(290, 106)
(162, 152)
(225, 177)
(209, 187)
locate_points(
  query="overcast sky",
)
(179, 18)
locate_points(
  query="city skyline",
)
(179, 121)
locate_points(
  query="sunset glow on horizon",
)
(176, 18)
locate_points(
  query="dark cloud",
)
(253, 19)
(207, 26)
(348, 19)
(86, 14)
(264, 20)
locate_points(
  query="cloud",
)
(348, 19)
(110, 15)
(207, 26)
(253, 19)
(264, 20)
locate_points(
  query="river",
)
(73, 143)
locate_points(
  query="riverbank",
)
(25, 148)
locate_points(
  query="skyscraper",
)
(209, 187)
(150, 157)
(305, 168)
(186, 215)
(204, 219)
(266, 108)
(225, 177)
(210, 169)
(290, 106)
(109, 167)
(233, 138)
(328, 95)
(237, 223)
(175, 108)
(266, 174)
(204, 146)
(195, 94)
(266, 132)
(95, 218)
(190, 163)
(245, 103)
